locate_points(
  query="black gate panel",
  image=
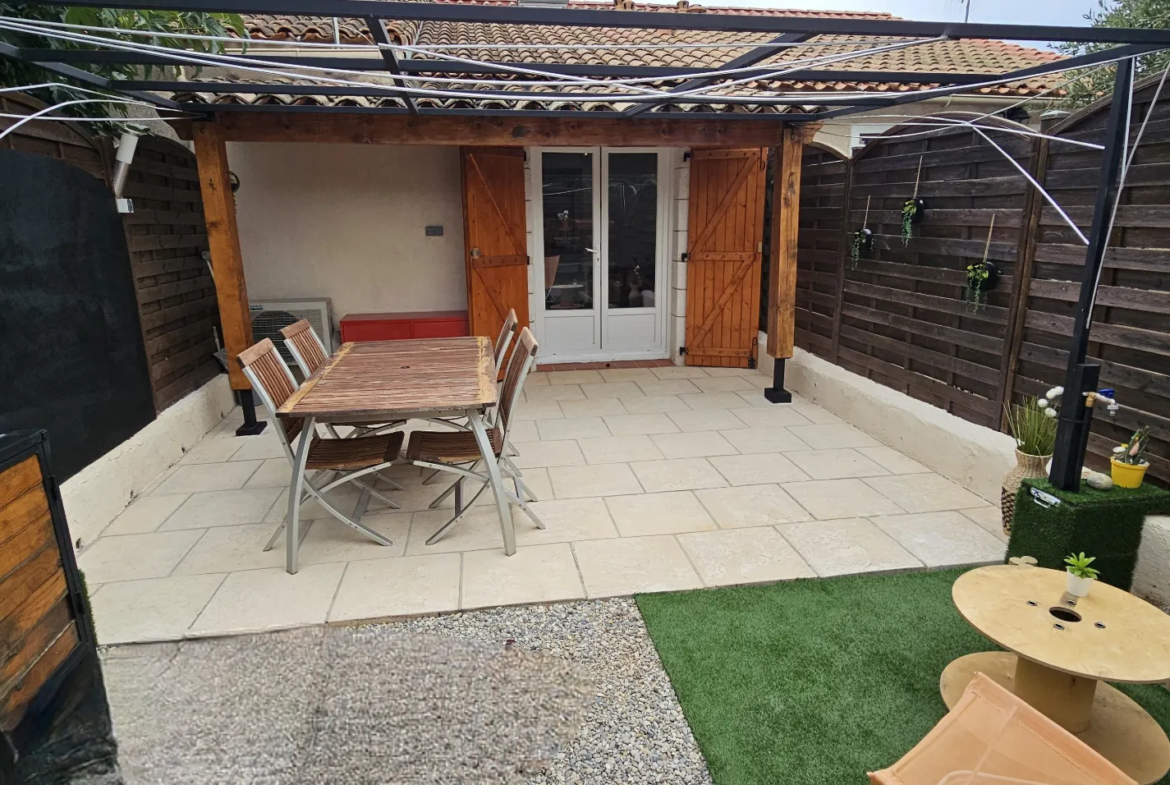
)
(71, 353)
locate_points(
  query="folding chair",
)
(309, 352)
(353, 459)
(457, 452)
(991, 737)
(500, 351)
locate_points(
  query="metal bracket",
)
(682, 350)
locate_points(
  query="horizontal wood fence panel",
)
(899, 316)
(167, 237)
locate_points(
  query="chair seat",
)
(359, 453)
(450, 446)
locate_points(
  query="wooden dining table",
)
(388, 381)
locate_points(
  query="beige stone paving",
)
(648, 480)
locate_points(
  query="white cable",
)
(25, 88)
(241, 62)
(54, 107)
(827, 61)
(444, 47)
(1128, 160)
(557, 79)
(203, 59)
(1036, 185)
(940, 123)
(68, 119)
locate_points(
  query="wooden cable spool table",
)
(1061, 649)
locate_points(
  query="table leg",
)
(475, 420)
(1065, 699)
(293, 521)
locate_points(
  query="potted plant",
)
(1127, 464)
(913, 209)
(982, 276)
(862, 239)
(1033, 426)
(1080, 574)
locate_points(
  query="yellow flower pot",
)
(1128, 475)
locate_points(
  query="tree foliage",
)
(1149, 14)
(165, 23)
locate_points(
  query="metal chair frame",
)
(311, 489)
(522, 494)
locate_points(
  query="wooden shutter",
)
(494, 237)
(725, 234)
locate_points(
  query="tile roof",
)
(492, 42)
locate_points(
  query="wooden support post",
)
(227, 263)
(782, 264)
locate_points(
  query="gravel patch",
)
(344, 705)
(635, 731)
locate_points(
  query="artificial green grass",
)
(816, 682)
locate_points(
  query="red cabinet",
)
(396, 326)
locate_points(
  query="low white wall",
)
(1151, 579)
(975, 457)
(349, 222)
(98, 493)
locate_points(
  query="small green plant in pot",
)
(1128, 465)
(1080, 574)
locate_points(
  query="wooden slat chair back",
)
(273, 382)
(523, 358)
(306, 346)
(505, 338)
(350, 460)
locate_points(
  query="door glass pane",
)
(567, 184)
(633, 229)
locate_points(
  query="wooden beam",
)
(227, 263)
(488, 131)
(785, 231)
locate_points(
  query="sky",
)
(1024, 12)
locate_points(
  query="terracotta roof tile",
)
(472, 40)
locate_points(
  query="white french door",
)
(599, 289)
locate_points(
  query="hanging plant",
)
(982, 276)
(862, 244)
(913, 209)
(862, 240)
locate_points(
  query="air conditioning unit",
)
(270, 316)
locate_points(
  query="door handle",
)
(591, 250)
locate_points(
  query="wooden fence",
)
(166, 237)
(899, 315)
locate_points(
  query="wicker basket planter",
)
(1027, 466)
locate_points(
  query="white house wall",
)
(348, 222)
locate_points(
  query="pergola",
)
(650, 116)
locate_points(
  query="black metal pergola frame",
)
(1123, 45)
(786, 30)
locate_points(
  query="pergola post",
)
(782, 261)
(227, 263)
(1076, 417)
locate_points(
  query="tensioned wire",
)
(1128, 160)
(859, 41)
(242, 63)
(553, 79)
